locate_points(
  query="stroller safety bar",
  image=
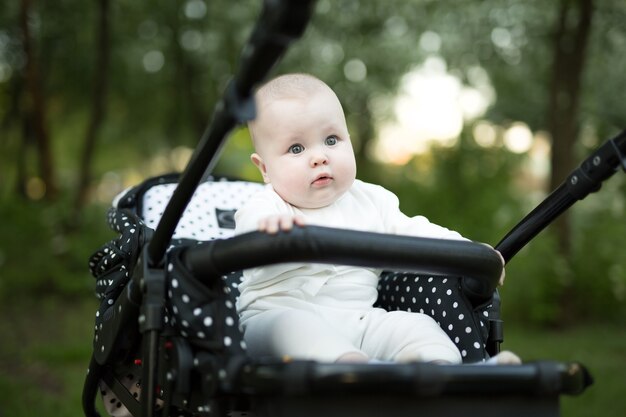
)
(479, 265)
(419, 379)
(309, 389)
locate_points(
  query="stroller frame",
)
(207, 380)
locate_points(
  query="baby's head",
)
(301, 139)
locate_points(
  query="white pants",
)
(326, 333)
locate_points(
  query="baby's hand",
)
(501, 281)
(284, 222)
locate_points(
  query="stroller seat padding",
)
(443, 300)
(209, 214)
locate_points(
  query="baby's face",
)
(304, 149)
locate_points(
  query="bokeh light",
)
(518, 138)
(431, 108)
(153, 61)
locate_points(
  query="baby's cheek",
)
(347, 175)
(296, 186)
(291, 188)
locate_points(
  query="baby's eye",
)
(331, 140)
(296, 149)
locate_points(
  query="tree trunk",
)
(184, 99)
(21, 159)
(35, 106)
(11, 118)
(97, 107)
(570, 44)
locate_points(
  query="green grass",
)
(600, 347)
(44, 355)
(46, 344)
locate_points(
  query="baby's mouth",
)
(323, 179)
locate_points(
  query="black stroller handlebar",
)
(478, 264)
(584, 180)
(280, 22)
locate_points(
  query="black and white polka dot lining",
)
(442, 299)
(195, 310)
(204, 315)
(200, 220)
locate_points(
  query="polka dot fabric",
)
(112, 405)
(210, 209)
(202, 312)
(110, 264)
(442, 299)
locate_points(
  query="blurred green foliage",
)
(155, 111)
(40, 257)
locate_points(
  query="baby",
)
(315, 311)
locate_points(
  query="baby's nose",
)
(319, 158)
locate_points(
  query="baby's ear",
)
(258, 162)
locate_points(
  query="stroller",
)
(167, 340)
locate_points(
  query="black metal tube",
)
(203, 159)
(586, 179)
(280, 23)
(537, 220)
(90, 388)
(419, 380)
(149, 369)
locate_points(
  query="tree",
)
(571, 37)
(98, 98)
(35, 124)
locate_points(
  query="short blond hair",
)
(288, 86)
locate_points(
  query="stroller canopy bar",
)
(417, 379)
(479, 265)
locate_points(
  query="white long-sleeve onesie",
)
(273, 298)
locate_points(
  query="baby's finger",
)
(501, 282)
(268, 225)
(500, 256)
(286, 223)
(272, 225)
(299, 221)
